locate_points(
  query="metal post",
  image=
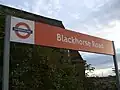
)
(5, 83)
(116, 67)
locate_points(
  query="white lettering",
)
(69, 40)
(65, 39)
(97, 45)
(58, 37)
(74, 40)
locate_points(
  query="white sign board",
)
(22, 30)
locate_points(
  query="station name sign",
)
(31, 32)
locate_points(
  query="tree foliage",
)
(30, 69)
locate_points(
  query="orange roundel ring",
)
(17, 32)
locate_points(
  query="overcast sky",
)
(99, 18)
